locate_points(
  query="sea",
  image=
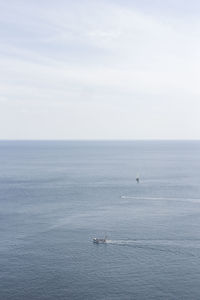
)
(56, 196)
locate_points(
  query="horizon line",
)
(93, 140)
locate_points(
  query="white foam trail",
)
(127, 242)
(156, 243)
(177, 247)
(161, 198)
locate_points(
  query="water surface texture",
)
(56, 196)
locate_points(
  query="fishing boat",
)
(100, 241)
(137, 179)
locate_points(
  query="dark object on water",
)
(137, 179)
(100, 241)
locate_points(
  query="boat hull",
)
(99, 241)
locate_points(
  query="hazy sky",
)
(113, 69)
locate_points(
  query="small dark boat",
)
(100, 241)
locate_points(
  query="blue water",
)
(56, 196)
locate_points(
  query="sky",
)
(106, 69)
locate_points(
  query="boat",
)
(100, 241)
(137, 179)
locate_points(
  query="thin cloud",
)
(99, 54)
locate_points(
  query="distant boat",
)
(137, 179)
(100, 241)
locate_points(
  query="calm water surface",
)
(56, 196)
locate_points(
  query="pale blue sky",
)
(100, 69)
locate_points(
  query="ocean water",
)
(56, 196)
